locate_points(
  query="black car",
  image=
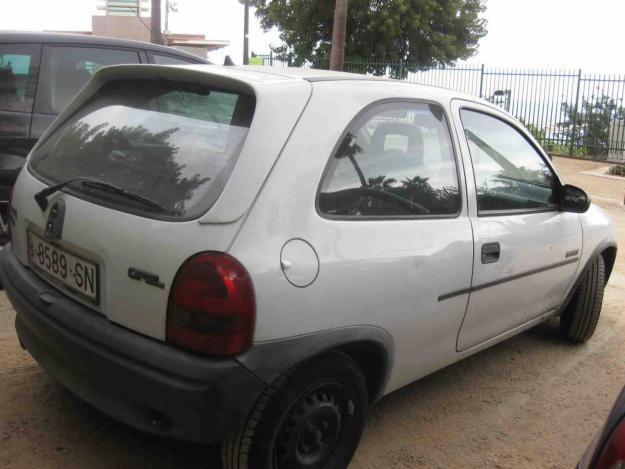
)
(41, 72)
(607, 450)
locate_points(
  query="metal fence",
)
(568, 111)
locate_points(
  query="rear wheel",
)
(579, 320)
(311, 417)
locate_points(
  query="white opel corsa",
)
(250, 256)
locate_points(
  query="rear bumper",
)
(139, 381)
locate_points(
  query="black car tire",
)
(579, 319)
(311, 417)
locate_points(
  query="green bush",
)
(617, 170)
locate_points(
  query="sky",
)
(567, 34)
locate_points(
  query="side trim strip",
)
(464, 291)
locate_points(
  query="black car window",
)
(396, 160)
(19, 68)
(509, 173)
(67, 69)
(160, 59)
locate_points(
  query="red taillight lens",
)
(613, 453)
(211, 306)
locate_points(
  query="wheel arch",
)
(372, 360)
(607, 249)
(609, 257)
(371, 347)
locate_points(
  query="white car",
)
(251, 256)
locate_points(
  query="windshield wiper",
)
(105, 186)
(41, 197)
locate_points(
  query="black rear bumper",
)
(140, 381)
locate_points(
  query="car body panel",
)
(598, 230)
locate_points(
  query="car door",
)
(526, 249)
(65, 69)
(19, 70)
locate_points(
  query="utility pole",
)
(155, 23)
(246, 32)
(337, 53)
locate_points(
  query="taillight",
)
(613, 453)
(211, 306)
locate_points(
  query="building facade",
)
(130, 19)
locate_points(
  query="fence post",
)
(271, 58)
(482, 81)
(290, 59)
(575, 113)
(401, 69)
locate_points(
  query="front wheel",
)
(579, 319)
(311, 417)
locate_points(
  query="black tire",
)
(311, 417)
(579, 319)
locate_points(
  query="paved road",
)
(532, 401)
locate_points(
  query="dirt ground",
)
(530, 402)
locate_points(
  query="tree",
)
(589, 128)
(421, 33)
(156, 37)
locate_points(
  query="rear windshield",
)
(168, 143)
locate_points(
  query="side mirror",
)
(574, 199)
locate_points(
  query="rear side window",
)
(68, 69)
(171, 143)
(396, 160)
(19, 68)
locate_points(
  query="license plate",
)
(74, 273)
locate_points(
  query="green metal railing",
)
(568, 111)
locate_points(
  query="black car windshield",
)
(172, 143)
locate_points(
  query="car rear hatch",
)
(148, 166)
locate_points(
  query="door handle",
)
(490, 253)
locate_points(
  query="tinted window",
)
(509, 173)
(169, 60)
(173, 144)
(19, 67)
(70, 68)
(397, 160)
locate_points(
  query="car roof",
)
(259, 73)
(88, 39)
